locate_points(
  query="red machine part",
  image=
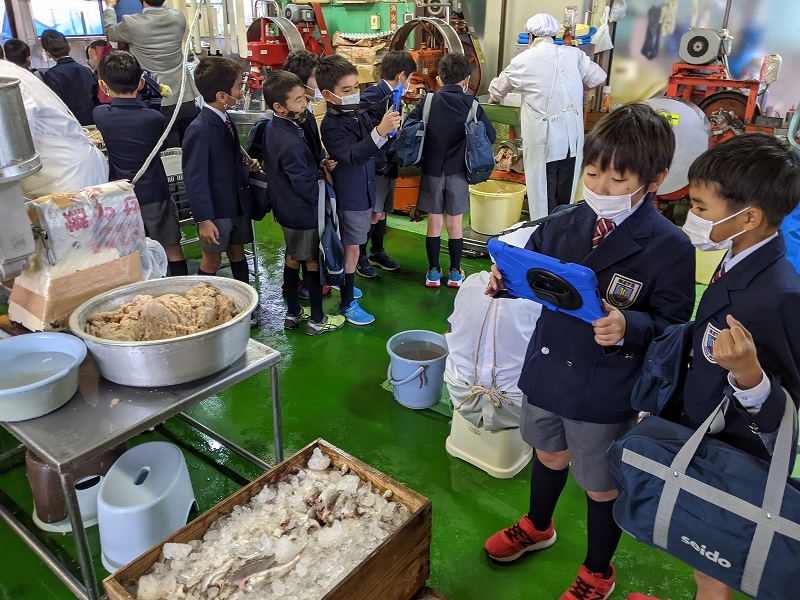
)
(270, 51)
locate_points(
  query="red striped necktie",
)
(720, 272)
(601, 230)
(230, 127)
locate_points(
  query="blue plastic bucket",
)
(416, 367)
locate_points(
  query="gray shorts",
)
(354, 226)
(232, 232)
(302, 244)
(161, 222)
(587, 443)
(384, 200)
(446, 194)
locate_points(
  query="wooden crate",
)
(395, 570)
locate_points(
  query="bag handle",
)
(473, 112)
(321, 209)
(426, 107)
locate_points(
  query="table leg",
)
(81, 540)
(277, 423)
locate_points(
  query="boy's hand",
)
(209, 234)
(329, 164)
(254, 165)
(390, 123)
(610, 330)
(495, 282)
(735, 351)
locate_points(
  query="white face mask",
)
(699, 232)
(317, 95)
(354, 98)
(609, 207)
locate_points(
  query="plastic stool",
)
(502, 454)
(145, 497)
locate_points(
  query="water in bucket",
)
(416, 370)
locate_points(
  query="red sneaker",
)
(509, 544)
(590, 586)
(637, 596)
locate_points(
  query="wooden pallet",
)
(396, 570)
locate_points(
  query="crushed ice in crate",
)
(295, 540)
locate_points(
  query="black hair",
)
(216, 74)
(54, 43)
(632, 138)
(756, 169)
(2, 52)
(278, 85)
(397, 62)
(155, 2)
(120, 71)
(301, 63)
(331, 69)
(454, 68)
(94, 44)
(17, 51)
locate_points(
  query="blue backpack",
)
(331, 249)
(479, 155)
(407, 147)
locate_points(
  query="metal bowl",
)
(37, 398)
(172, 361)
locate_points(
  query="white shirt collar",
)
(146, 8)
(731, 261)
(221, 114)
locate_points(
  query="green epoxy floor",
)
(331, 388)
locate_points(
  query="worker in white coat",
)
(69, 160)
(551, 80)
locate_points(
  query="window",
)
(79, 18)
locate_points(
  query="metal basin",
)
(39, 390)
(175, 360)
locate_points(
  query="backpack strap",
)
(473, 112)
(426, 107)
(321, 209)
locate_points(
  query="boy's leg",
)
(291, 278)
(161, 222)
(431, 200)
(455, 243)
(433, 242)
(378, 257)
(209, 263)
(239, 268)
(603, 532)
(314, 290)
(354, 229)
(456, 198)
(351, 254)
(709, 588)
(549, 474)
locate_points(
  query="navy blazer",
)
(762, 292)
(445, 147)
(380, 96)
(292, 171)
(646, 268)
(214, 170)
(75, 84)
(348, 140)
(130, 132)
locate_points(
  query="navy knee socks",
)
(546, 487)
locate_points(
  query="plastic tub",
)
(26, 357)
(495, 206)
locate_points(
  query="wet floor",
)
(331, 389)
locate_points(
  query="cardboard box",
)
(395, 570)
(49, 307)
(369, 74)
(358, 55)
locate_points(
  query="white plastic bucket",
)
(416, 367)
(495, 206)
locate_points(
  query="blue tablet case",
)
(565, 287)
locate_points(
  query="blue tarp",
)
(791, 231)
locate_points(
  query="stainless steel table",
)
(102, 415)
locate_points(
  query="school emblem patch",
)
(623, 291)
(708, 342)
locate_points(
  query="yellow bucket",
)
(707, 263)
(495, 206)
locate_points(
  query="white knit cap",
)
(543, 25)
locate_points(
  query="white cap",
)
(543, 25)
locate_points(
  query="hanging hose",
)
(163, 137)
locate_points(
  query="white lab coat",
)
(550, 79)
(69, 160)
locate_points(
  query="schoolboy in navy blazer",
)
(73, 82)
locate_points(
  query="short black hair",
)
(396, 62)
(633, 138)
(2, 53)
(331, 69)
(278, 85)
(216, 74)
(753, 169)
(155, 2)
(120, 71)
(54, 43)
(95, 44)
(302, 63)
(454, 68)
(17, 51)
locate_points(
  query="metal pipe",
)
(18, 449)
(236, 449)
(501, 40)
(727, 14)
(277, 422)
(40, 550)
(79, 533)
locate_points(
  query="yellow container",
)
(707, 263)
(495, 206)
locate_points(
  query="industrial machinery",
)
(18, 160)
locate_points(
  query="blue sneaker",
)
(356, 292)
(433, 278)
(357, 315)
(456, 278)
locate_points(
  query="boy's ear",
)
(439, 81)
(141, 85)
(659, 179)
(329, 96)
(278, 108)
(754, 218)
